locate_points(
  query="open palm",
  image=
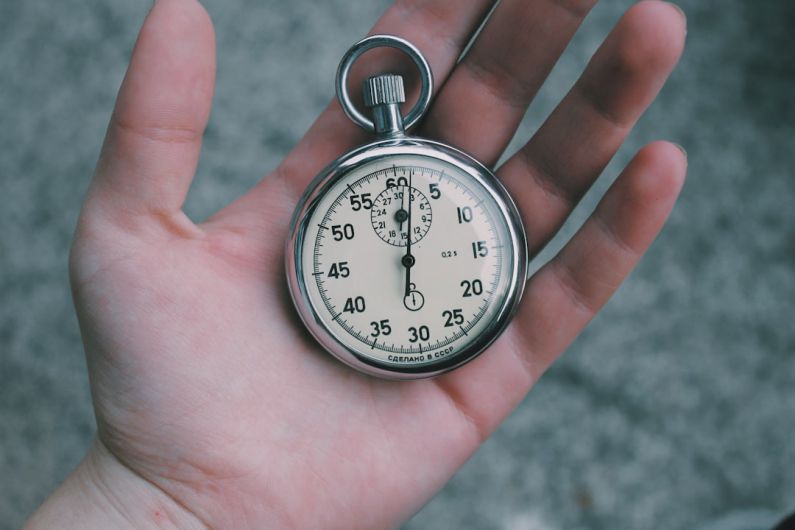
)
(206, 386)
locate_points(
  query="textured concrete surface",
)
(675, 406)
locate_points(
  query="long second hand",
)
(408, 260)
(402, 209)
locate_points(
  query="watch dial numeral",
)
(434, 191)
(400, 181)
(361, 201)
(453, 317)
(479, 249)
(339, 270)
(421, 333)
(464, 214)
(380, 327)
(341, 232)
(354, 305)
(472, 288)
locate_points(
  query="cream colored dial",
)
(406, 260)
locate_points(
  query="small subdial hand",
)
(401, 215)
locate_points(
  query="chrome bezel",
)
(376, 151)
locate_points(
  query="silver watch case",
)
(380, 149)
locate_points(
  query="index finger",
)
(441, 29)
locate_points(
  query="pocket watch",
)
(406, 257)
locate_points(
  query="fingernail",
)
(684, 152)
(681, 12)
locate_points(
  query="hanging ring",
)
(380, 41)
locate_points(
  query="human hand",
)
(214, 406)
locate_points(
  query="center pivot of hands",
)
(401, 215)
(407, 261)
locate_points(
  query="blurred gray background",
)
(675, 406)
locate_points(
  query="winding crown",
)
(383, 90)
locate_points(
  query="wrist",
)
(103, 493)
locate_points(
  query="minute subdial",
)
(390, 213)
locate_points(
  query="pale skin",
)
(214, 406)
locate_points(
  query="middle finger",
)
(480, 106)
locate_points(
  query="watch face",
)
(409, 263)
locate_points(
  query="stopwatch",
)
(406, 258)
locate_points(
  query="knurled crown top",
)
(383, 90)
